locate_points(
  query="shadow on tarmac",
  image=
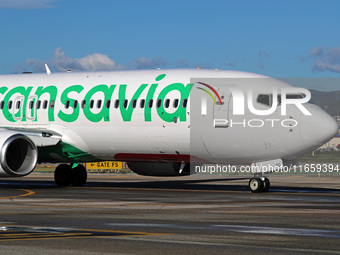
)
(197, 185)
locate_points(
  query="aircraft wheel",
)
(255, 185)
(266, 185)
(62, 175)
(79, 176)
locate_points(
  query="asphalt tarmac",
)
(199, 214)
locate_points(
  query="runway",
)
(199, 214)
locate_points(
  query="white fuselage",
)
(109, 116)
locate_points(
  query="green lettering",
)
(21, 111)
(180, 112)
(127, 112)
(104, 112)
(52, 91)
(160, 77)
(64, 97)
(2, 91)
(149, 96)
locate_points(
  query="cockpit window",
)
(290, 96)
(295, 96)
(265, 99)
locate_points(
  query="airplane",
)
(161, 122)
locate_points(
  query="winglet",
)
(48, 71)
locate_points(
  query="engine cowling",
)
(159, 169)
(18, 154)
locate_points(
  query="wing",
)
(40, 137)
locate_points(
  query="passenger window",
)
(39, 104)
(134, 103)
(75, 104)
(150, 103)
(185, 103)
(18, 105)
(108, 103)
(125, 103)
(91, 104)
(67, 104)
(83, 103)
(99, 104)
(2, 105)
(51, 104)
(10, 104)
(45, 104)
(167, 103)
(142, 103)
(30, 106)
(175, 103)
(116, 103)
(159, 103)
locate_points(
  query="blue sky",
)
(276, 38)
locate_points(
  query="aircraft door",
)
(31, 108)
(209, 119)
(221, 107)
(17, 108)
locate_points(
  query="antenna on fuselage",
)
(48, 71)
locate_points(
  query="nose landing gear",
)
(259, 184)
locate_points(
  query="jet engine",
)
(159, 169)
(18, 154)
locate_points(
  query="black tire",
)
(266, 185)
(79, 176)
(255, 185)
(62, 175)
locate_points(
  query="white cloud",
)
(326, 59)
(36, 65)
(316, 52)
(63, 62)
(26, 4)
(94, 62)
(320, 65)
(333, 56)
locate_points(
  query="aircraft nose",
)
(318, 128)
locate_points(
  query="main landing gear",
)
(259, 184)
(65, 175)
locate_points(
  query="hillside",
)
(329, 101)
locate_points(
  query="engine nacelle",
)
(18, 154)
(159, 169)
